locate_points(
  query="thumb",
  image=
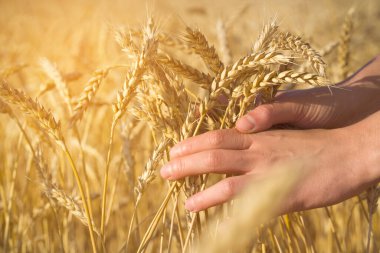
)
(265, 116)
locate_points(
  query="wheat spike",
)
(53, 73)
(135, 75)
(198, 42)
(223, 42)
(291, 76)
(33, 108)
(88, 94)
(184, 70)
(295, 44)
(148, 174)
(57, 195)
(265, 37)
(344, 45)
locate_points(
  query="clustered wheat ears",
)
(48, 123)
(257, 75)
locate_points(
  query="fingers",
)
(211, 161)
(265, 116)
(217, 194)
(219, 139)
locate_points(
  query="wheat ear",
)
(53, 73)
(344, 45)
(149, 48)
(265, 37)
(50, 125)
(184, 70)
(298, 46)
(223, 42)
(33, 108)
(57, 195)
(198, 42)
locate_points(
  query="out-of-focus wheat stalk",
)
(344, 44)
(262, 198)
(48, 123)
(133, 79)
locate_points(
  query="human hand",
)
(340, 162)
(347, 103)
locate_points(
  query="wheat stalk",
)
(48, 123)
(124, 98)
(57, 195)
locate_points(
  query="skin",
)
(339, 145)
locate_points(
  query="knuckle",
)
(178, 167)
(216, 138)
(266, 111)
(228, 188)
(213, 159)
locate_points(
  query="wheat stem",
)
(83, 197)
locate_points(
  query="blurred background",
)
(31, 29)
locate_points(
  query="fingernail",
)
(190, 204)
(246, 124)
(166, 171)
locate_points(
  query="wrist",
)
(365, 136)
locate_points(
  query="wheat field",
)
(94, 93)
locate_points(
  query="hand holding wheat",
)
(334, 172)
(346, 103)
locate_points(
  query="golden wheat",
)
(154, 86)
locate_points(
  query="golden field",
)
(94, 93)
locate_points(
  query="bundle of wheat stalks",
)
(169, 99)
